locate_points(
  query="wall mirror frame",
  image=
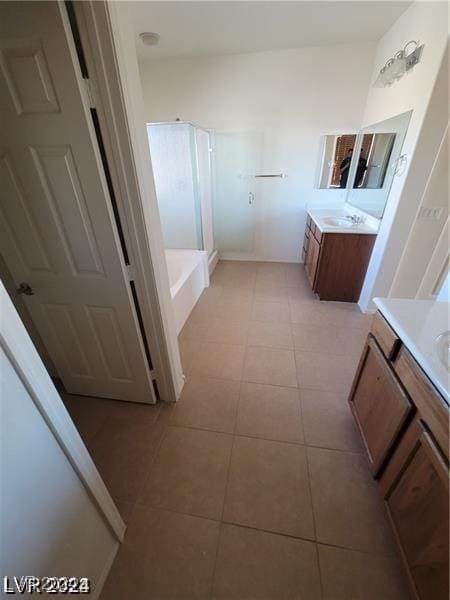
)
(376, 160)
(335, 159)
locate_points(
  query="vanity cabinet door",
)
(417, 501)
(312, 259)
(379, 404)
(305, 245)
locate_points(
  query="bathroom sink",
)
(443, 348)
(337, 222)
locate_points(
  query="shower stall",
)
(182, 172)
(256, 208)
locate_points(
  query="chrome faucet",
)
(355, 219)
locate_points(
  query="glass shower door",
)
(175, 172)
(237, 160)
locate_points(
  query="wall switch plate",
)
(430, 214)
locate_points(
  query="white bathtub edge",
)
(186, 291)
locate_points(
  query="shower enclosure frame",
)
(203, 209)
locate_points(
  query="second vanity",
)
(400, 401)
(336, 250)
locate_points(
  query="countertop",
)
(318, 215)
(418, 323)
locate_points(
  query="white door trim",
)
(22, 354)
(101, 33)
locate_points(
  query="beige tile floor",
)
(254, 486)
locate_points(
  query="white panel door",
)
(56, 224)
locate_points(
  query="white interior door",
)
(378, 159)
(57, 228)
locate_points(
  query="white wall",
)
(426, 233)
(444, 293)
(292, 97)
(426, 22)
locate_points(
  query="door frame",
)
(114, 89)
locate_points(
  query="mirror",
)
(374, 156)
(378, 148)
(335, 159)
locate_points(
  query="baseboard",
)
(95, 594)
(212, 261)
(241, 257)
(367, 311)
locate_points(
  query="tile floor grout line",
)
(216, 556)
(299, 387)
(269, 531)
(243, 381)
(147, 475)
(305, 539)
(293, 348)
(312, 502)
(230, 457)
(264, 439)
(225, 491)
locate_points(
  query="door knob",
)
(25, 288)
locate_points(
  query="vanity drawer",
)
(379, 404)
(311, 228)
(317, 234)
(430, 404)
(386, 337)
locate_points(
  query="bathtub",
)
(188, 277)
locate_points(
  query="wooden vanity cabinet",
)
(379, 404)
(336, 263)
(312, 259)
(415, 488)
(404, 423)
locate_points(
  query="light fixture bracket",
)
(399, 64)
(413, 57)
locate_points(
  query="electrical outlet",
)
(430, 214)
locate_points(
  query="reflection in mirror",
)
(375, 153)
(375, 157)
(335, 159)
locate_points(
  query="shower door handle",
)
(251, 197)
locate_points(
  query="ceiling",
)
(212, 28)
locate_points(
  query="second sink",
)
(337, 222)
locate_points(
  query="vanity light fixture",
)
(396, 67)
(149, 38)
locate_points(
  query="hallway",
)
(255, 485)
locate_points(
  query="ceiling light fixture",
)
(149, 38)
(397, 66)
